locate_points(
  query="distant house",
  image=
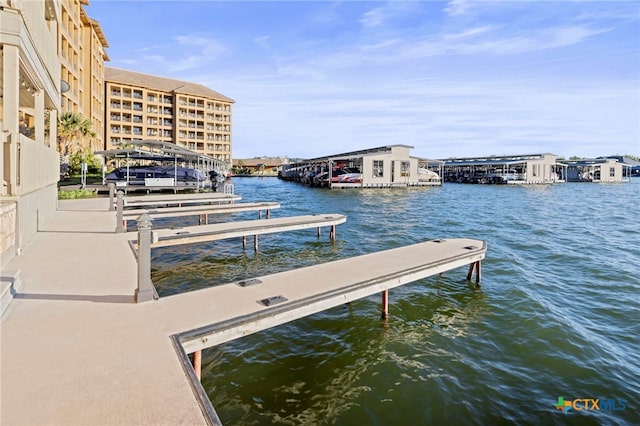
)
(259, 166)
(599, 170)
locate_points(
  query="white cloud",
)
(153, 58)
(457, 7)
(179, 54)
(484, 40)
(388, 12)
(373, 17)
(207, 50)
(472, 32)
(262, 41)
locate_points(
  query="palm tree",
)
(72, 126)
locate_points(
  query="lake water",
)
(558, 313)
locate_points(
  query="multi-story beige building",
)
(81, 48)
(142, 106)
(94, 59)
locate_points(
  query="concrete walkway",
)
(75, 349)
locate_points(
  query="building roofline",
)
(486, 158)
(592, 162)
(358, 153)
(156, 150)
(154, 82)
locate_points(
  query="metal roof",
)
(481, 162)
(356, 154)
(593, 161)
(158, 151)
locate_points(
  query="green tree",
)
(94, 165)
(72, 127)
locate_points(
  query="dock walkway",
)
(200, 210)
(76, 349)
(244, 228)
(179, 199)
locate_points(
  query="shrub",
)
(76, 193)
(94, 165)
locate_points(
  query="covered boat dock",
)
(520, 169)
(381, 167)
(135, 163)
(598, 170)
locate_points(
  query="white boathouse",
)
(508, 169)
(381, 167)
(598, 170)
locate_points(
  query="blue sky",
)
(451, 78)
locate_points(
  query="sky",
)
(452, 78)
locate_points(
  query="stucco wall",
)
(39, 165)
(7, 231)
(34, 210)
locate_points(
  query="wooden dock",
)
(138, 205)
(201, 210)
(179, 200)
(264, 302)
(238, 309)
(245, 228)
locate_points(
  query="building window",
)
(612, 171)
(378, 168)
(404, 168)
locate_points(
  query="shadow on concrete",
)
(83, 210)
(64, 231)
(107, 298)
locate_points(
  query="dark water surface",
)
(558, 314)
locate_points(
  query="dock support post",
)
(268, 213)
(332, 233)
(244, 242)
(477, 267)
(119, 211)
(255, 242)
(112, 196)
(319, 232)
(144, 292)
(385, 304)
(259, 214)
(197, 364)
